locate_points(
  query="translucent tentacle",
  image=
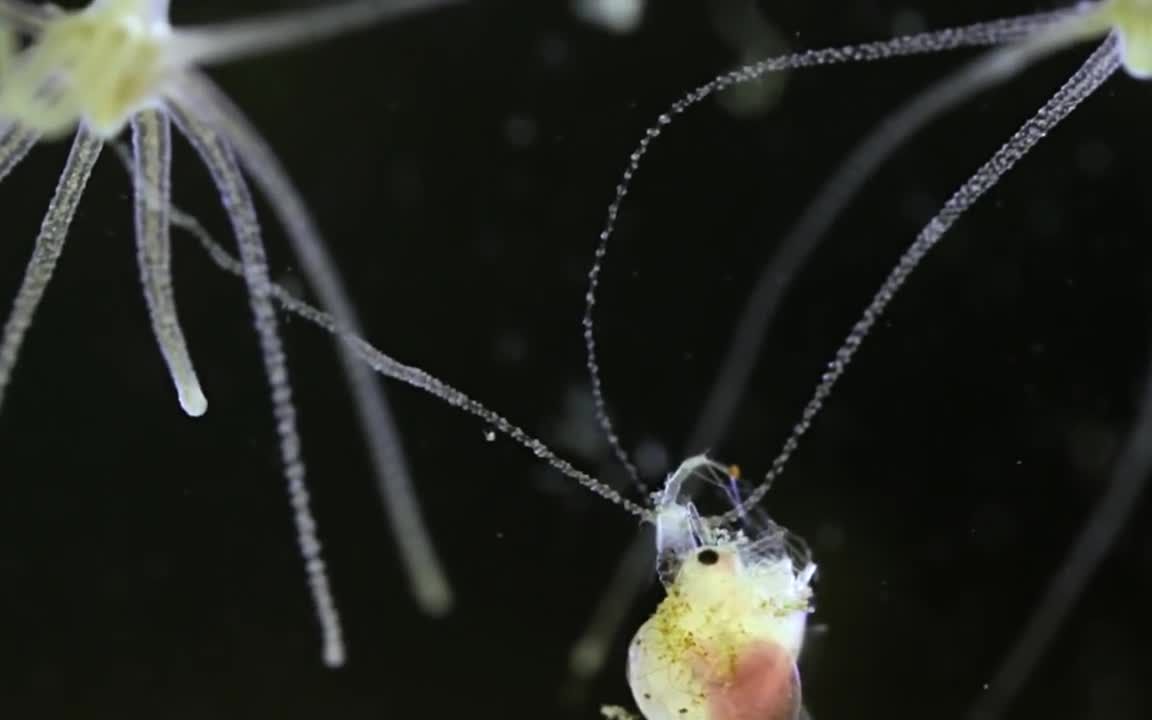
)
(632, 576)
(1112, 513)
(218, 156)
(1098, 68)
(394, 480)
(15, 142)
(407, 374)
(1108, 519)
(244, 38)
(49, 244)
(986, 33)
(811, 228)
(151, 173)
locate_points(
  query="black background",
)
(460, 164)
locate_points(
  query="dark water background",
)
(460, 165)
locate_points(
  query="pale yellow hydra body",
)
(102, 64)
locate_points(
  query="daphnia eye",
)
(708, 556)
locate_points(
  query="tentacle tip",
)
(435, 600)
(192, 401)
(335, 657)
(586, 659)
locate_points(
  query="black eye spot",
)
(708, 557)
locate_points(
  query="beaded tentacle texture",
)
(120, 63)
